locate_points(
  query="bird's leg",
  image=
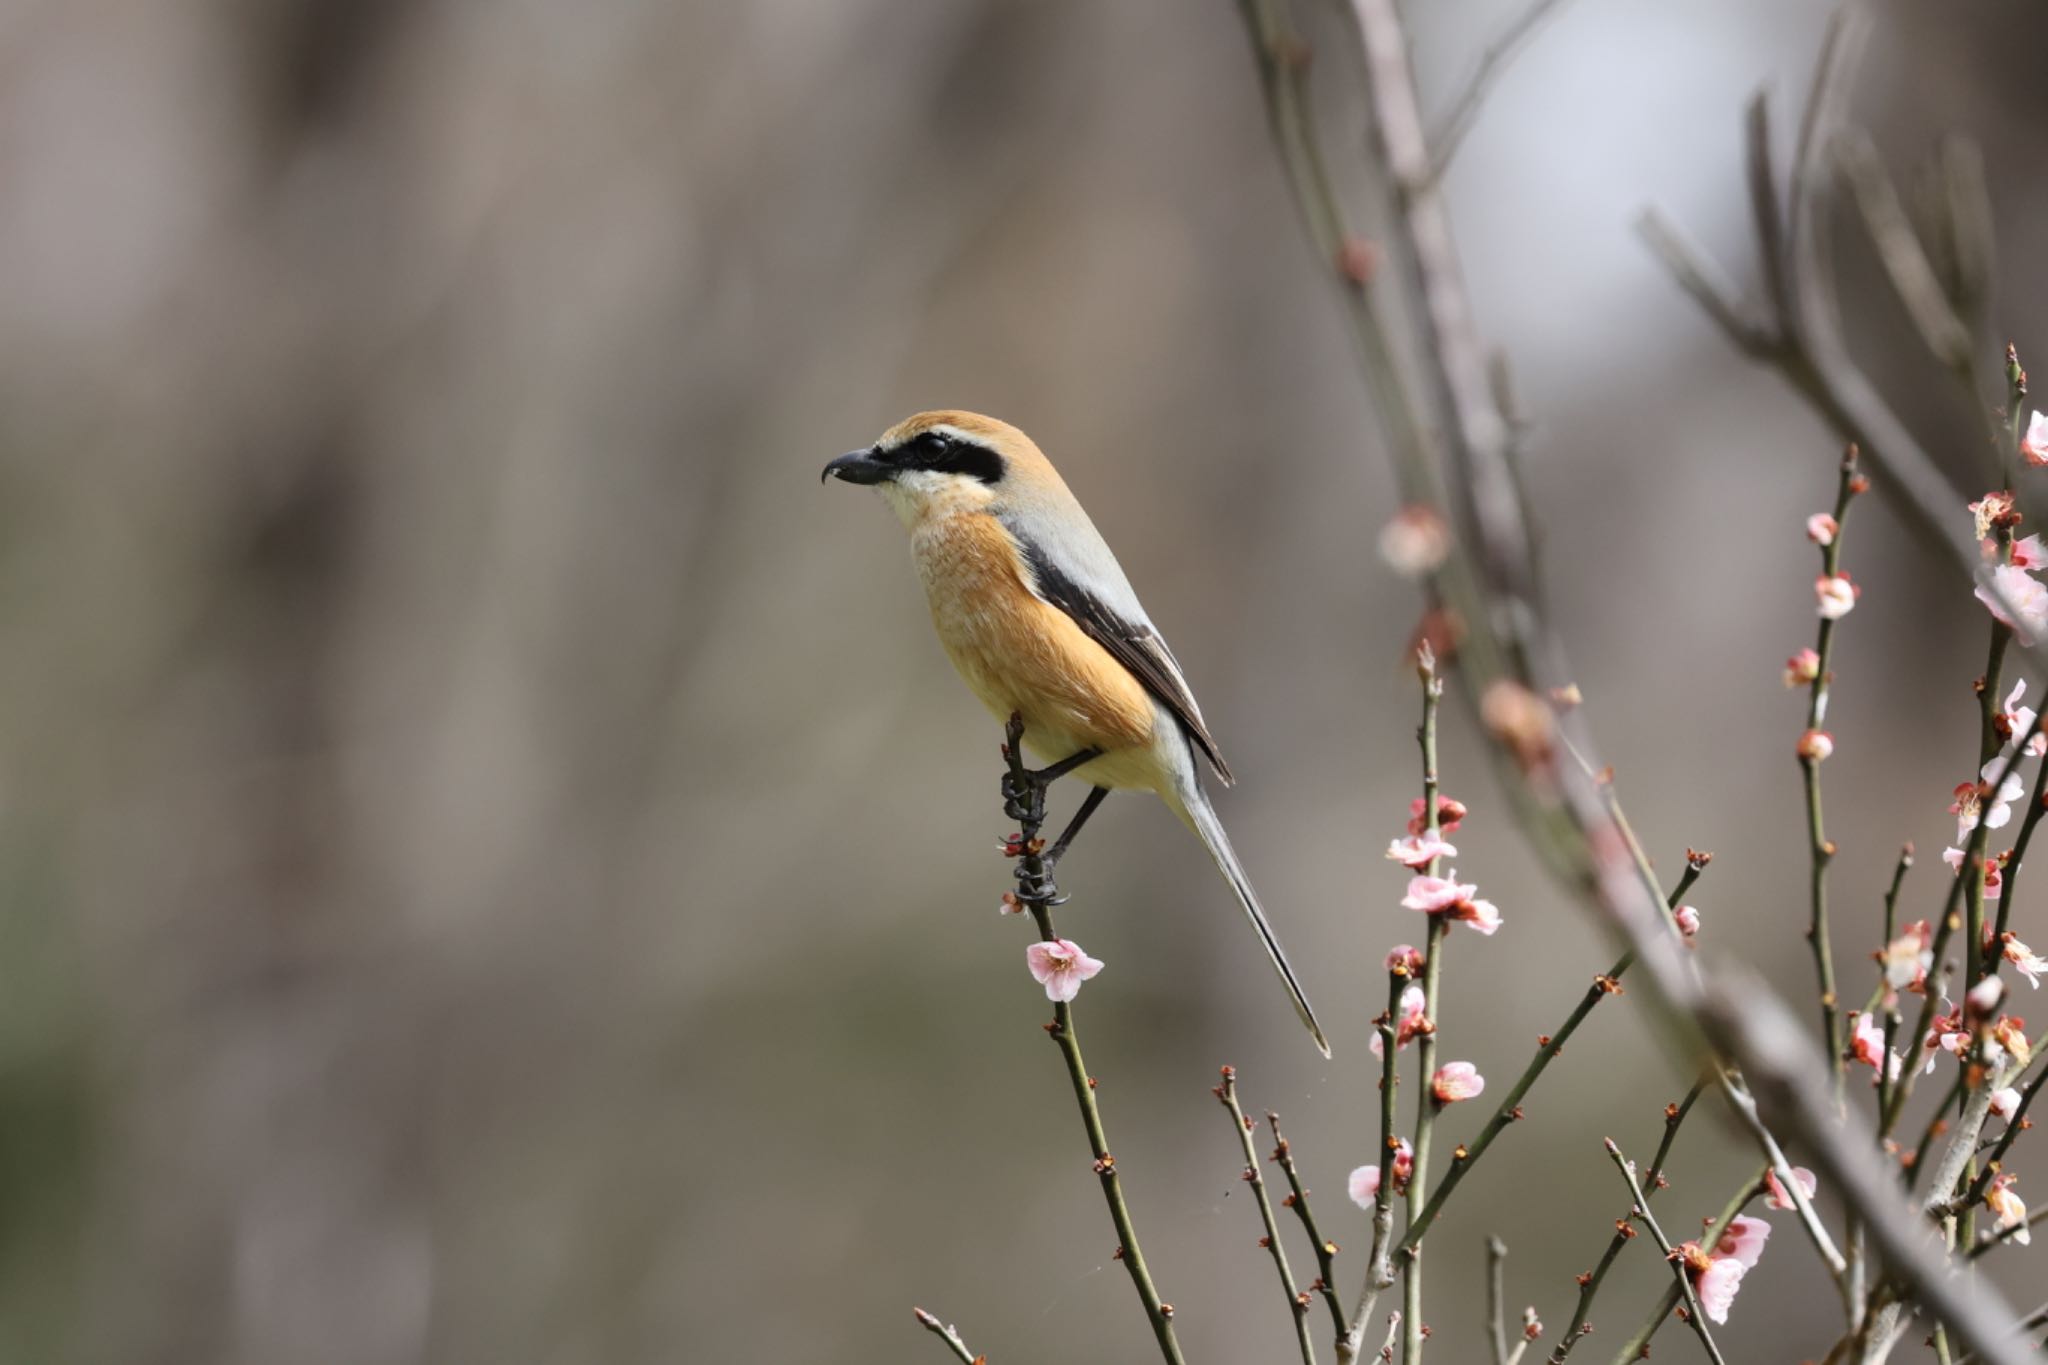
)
(1024, 802)
(1059, 845)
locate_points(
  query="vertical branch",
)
(1425, 1045)
(1821, 851)
(1032, 870)
(1379, 1267)
(1297, 1302)
(1496, 1300)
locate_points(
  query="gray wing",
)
(1133, 643)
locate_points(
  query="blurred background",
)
(496, 867)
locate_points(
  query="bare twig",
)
(1297, 1199)
(1496, 1299)
(1379, 1267)
(949, 1336)
(1297, 1302)
(1464, 109)
(1426, 1105)
(1639, 1344)
(1649, 1220)
(1159, 1312)
(1589, 1284)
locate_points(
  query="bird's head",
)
(947, 459)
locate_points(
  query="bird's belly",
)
(1019, 654)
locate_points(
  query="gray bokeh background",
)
(498, 869)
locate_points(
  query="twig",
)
(1821, 852)
(1649, 1220)
(1589, 1284)
(1426, 1105)
(2014, 1126)
(949, 1336)
(1297, 1199)
(1496, 1299)
(2000, 1236)
(1548, 1048)
(1639, 1344)
(1379, 1267)
(1297, 1302)
(1063, 1033)
(1464, 109)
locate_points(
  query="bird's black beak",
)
(859, 467)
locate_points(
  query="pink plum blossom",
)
(1946, 1035)
(2015, 720)
(1867, 1047)
(2028, 598)
(1744, 1239)
(1821, 528)
(1717, 1285)
(2034, 445)
(1060, 966)
(1802, 668)
(2029, 553)
(1365, 1186)
(1420, 850)
(1456, 1081)
(2010, 1209)
(2028, 963)
(1405, 959)
(1994, 881)
(1836, 595)
(2005, 1102)
(1907, 957)
(1447, 896)
(2010, 1033)
(1410, 1022)
(1781, 1197)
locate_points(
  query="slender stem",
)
(1297, 1199)
(1639, 1344)
(1820, 850)
(1426, 1105)
(1988, 744)
(2004, 1235)
(1684, 1278)
(1891, 1014)
(1297, 1302)
(1379, 1266)
(947, 1335)
(1496, 1299)
(1589, 1284)
(2035, 809)
(1464, 109)
(1548, 1048)
(1032, 870)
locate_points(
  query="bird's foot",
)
(1035, 885)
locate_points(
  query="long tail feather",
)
(1193, 806)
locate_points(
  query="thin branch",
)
(1649, 1220)
(1297, 1199)
(1638, 1345)
(1549, 1047)
(1379, 1266)
(1032, 872)
(1426, 1105)
(1899, 251)
(1494, 61)
(1297, 1302)
(2015, 1124)
(1581, 1325)
(1496, 1299)
(949, 1336)
(1820, 851)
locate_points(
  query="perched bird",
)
(1041, 622)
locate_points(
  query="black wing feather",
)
(1133, 644)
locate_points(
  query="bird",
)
(1040, 621)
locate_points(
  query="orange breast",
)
(1016, 652)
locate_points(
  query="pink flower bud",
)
(1781, 1198)
(2005, 1103)
(1688, 921)
(1802, 668)
(1821, 528)
(1415, 542)
(1816, 745)
(1405, 958)
(1836, 596)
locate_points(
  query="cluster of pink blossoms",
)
(1418, 851)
